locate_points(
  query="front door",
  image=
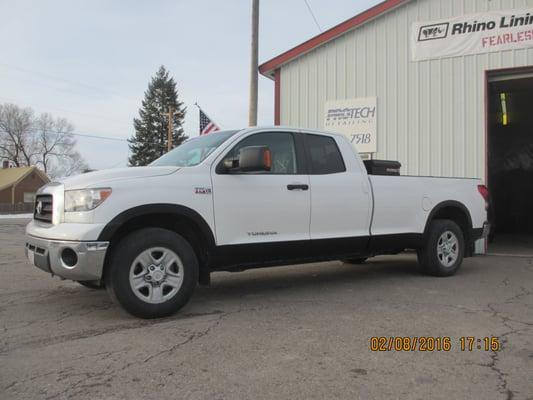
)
(263, 207)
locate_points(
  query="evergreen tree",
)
(151, 128)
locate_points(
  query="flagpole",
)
(202, 110)
(254, 61)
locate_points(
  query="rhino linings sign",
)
(472, 34)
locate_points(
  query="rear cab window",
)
(324, 155)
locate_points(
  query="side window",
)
(324, 154)
(282, 149)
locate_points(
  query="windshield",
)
(193, 151)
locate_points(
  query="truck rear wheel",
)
(443, 252)
(152, 273)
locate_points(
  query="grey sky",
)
(90, 61)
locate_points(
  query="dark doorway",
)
(510, 158)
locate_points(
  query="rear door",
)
(341, 200)
(262, 207)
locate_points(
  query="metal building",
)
(443, 75)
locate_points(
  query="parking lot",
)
(300, 332)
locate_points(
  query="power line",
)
(71, 82)
(91, 136)
(87, 135)
(313, 15)
(64, 110)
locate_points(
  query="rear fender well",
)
(457, 212)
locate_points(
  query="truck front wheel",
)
(444, 249)
(152, 273)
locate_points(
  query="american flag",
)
(206, 125)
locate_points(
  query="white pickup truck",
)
(234, 200)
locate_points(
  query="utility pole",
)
(252, 113)
(170, 115)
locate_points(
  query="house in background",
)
(18, 187)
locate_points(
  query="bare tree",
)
(73, 165)
(56, 144)
(17, 143)
(44, 141)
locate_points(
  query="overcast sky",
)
(91, 61)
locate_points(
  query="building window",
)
(29, 197)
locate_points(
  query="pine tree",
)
(151, 128)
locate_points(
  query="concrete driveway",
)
(300, 332)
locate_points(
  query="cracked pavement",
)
(299, 332)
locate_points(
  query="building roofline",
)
(42, 174)
(267, 68)
(24, 175)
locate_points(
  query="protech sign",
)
(472, 34)
(355, 118)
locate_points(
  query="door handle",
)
(297, 187)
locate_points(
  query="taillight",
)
(484, 192)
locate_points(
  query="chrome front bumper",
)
(47, 255)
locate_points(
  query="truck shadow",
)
(283, 283)
(400, 270)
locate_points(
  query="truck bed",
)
(398, 200)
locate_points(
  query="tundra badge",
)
(202, 190)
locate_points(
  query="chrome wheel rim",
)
(448, 249)
(156, 275)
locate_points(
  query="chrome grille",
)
(43, 208)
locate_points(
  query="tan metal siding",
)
(431, 114)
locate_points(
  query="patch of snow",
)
(16, 216)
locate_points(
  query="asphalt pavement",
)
(299, 332)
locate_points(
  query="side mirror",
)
(231, 164)
(255, 158)
(250, 159)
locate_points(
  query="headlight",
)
(86, 199)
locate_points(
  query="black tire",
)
(435, 262)
(117, 276)
(91, 284)
(355, 260)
